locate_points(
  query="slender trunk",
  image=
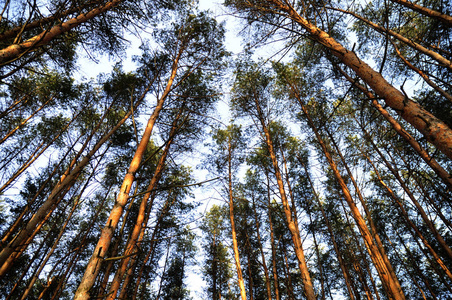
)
(436, 56)
(22, 124)
(45, 210)
(234, 235)
(250, 274)
(413, 279)
(344, 269)
(164, 269)
(132, 244)
(82, 238)
(131, 269)
(373, 227)
(151, 252)
(306, 277)
(272, 241)
(47, 257)
(379, 259)
(429, 160)
(446, 19)
(94, 264)
(415, 269)
(33, 259)
(290, 290)
(361, 258)
(422, 74)
(319, 262)
(26, 210)
(36, 154)
(435, 131)
(14, 51)
(421, 211)
(264, 264)
(405, 216)
(14, 105)
(62, 231)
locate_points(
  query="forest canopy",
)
(315, 163)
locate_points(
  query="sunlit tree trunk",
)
(429, 160)
(14, 51)
(373, 227)
(343, 266)
(434, 130)
(404, 214)
(446, 19)
(94, 264)
(138, 227)
(294, 230)
(388, 278)
(45, 210)
(436, 56)
(234, 234)
(420, 209)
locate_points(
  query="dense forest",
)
(314, 163)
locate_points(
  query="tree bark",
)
(434, 130)
(306, 277)
(14, 51)
(94, 264)
(138, 227)
(446, 19)
(429, 160)
(234, 234)
(389, 280)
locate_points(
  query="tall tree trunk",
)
(436, 56)
(138, 227)
(94, 264)
(261, 249)
(62, 230)
(373, 227)
(234, 234)
(344, 269)
(272, 241)
(446, 19)
(405, 216)
(44, 211)
(429, 160)
(294, 230)
(14, 51)
(388, 279)
(435, 131)
(420, 209)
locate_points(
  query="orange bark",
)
(434, 130)
(138, 227)
(344, 269)
(379, 259)
(234, 235)
(446, 19)
(25, 236)
(436, 56)
(94, 264)
(404, 213)
(298, 247)
(10, 33)
(436, 167)
(16, 50)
